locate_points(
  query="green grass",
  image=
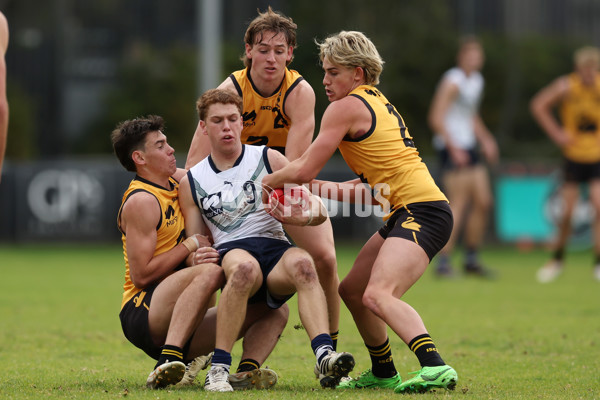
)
(510, 338)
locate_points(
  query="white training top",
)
(459, 117)
(231, 200)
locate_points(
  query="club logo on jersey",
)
(249, 118)
(212, 205)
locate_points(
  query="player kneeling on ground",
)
(222, 195)
(168, 282)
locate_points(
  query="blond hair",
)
(585, 55)
(270, 21)
(352, 49)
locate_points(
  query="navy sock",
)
(321, 345)
(221, 358)
(334, 338)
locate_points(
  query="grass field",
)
(510, 338)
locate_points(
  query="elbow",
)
(140, 282)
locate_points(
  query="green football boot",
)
(443, 376)
(367, 380)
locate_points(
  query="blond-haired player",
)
(577, 95)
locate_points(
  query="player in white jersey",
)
(459, 130)
(222, 196)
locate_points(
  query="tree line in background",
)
(417, 39)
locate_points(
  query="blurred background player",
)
(376, 145)
(168, 283)
(459, 136)
(279, 113)
(3, 100)
(578, 136)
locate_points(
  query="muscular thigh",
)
(358, 277)
(165, 296)
(399, 264)
(317, 240)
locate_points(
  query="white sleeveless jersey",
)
(459, 117)
(231, 200)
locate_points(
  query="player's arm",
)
(486, 140)
(339, 118)
(3, 99)
(302, 208)
(541, 106)
(139, 219)
(194, 225)
(353, 191)
(300, 108)
(442, 100)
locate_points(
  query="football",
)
(296, 193)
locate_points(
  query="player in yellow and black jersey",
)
(278, 112)
(578, 135)
(376, 144)
(170, 279)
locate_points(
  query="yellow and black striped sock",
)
(382, 363)
(425, 350)
(248, 364)
(334, 338)
(169, 354)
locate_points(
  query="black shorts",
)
(446, 162)
(134, 321)
(428, 224)
(580, 172)
(267, 252)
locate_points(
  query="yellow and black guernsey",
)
(580, 116)
(169, 231)
(265, 121)
(385, 156)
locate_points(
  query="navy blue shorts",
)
(267, 252)
(428, 224)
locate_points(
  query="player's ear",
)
(138, 157)
(359, 74)
(202, 125)
(248, 51)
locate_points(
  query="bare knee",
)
(372, 299)
(349, 294)
(211, 278)
(304, 270)
(243, 277)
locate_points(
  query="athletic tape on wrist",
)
(191, 244)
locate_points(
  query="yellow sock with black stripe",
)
(169, 354)
(382, 363)
(248, 364)
(425, 350)
(334, 337)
